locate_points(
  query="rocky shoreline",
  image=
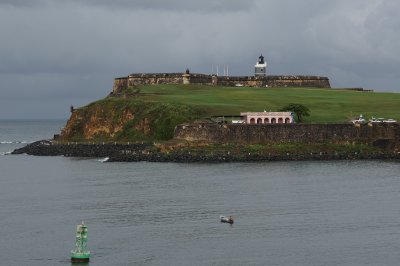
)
(147, 152)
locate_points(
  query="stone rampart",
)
(156, 78)
(120, 84)
(248, 81)
(297, 81)
(385, 134)
(276, 81)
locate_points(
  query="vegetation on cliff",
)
(150, 113)
(121, 119)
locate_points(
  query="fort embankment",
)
(203, 79)
(383, 135)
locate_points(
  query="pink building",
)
(253, 118)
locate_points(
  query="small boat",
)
(225, 219)
(80, 254)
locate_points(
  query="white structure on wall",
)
(254, 118)
(260, 67)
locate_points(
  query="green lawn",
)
(326, 105)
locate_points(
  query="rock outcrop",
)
(95, 123)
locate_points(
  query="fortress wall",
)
(297, 81)
(166, 78)
(276, 81)
(153, 79)
(119, 84)
(159, 78)
(287, 133)
(200, 79)
(248, 81)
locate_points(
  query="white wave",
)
(5, 153)
(15, 142)
(104, 159)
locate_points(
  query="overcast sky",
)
(54, 53)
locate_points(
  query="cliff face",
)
(96, 123)
(120, 119)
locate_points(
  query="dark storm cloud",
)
(70, 51)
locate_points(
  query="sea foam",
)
(104, 160)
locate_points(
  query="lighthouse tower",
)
(260, 67)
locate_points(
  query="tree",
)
(299, 110)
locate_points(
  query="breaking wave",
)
(15, 142)
(104, 160)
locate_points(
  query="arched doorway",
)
(287, 120)
(280, 120)
(273, 121)
(252, 121)
(259, 121)
(266, 121)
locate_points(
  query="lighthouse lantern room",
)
(261, 67)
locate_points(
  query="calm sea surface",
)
(286, 213)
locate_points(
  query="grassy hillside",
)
(326, 105)
(127, 119)
(151, 112)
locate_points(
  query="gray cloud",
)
(170, 5)
(176, 5)
(70, 51)
(22, 3)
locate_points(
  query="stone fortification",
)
(248, 81)
(275, 81)
(382, 135)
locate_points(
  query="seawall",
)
(385, 135)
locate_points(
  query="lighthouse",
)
(260, 67)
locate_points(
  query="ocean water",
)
(286, 213)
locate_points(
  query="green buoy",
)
(80, 253)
